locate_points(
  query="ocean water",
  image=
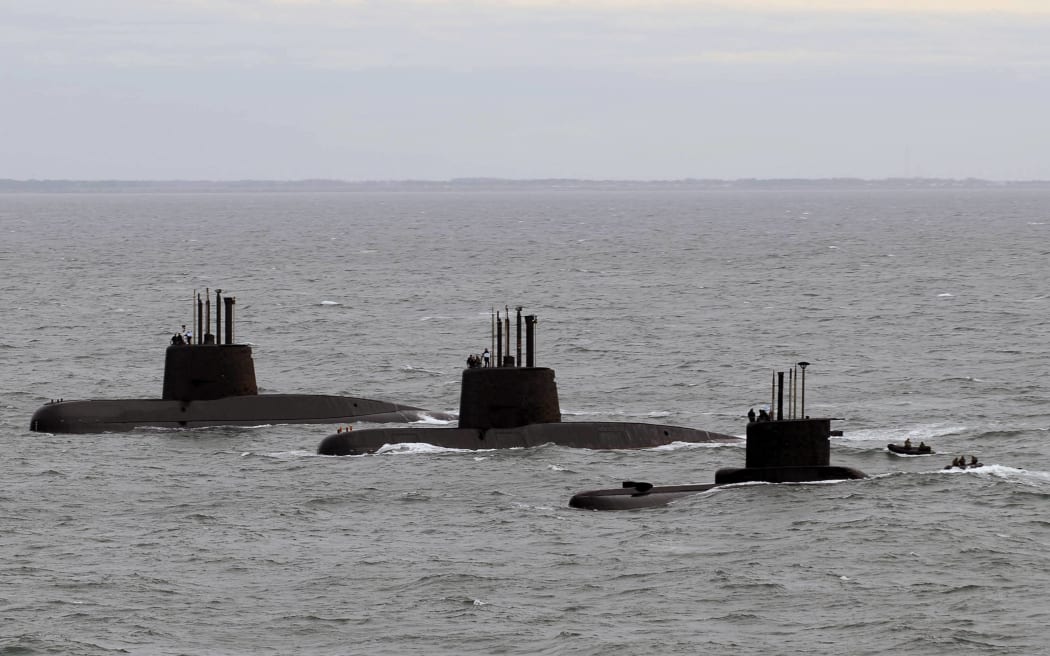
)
(923, 313)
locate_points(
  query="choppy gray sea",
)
(923, 313)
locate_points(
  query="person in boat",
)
(907, 443)
(751, 415)
(485, 358)
(973, 462)
(763, 415)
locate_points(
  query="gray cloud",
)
(435, 90)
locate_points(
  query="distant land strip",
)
(498, 184)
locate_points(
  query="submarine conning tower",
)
(795, 449)
(499, 393)
(204, 366)
(789, 443)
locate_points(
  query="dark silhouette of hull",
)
(910, 450)
(509, 406)
(790, 451)
(211, 382)
(581, 435)
(99, 416)
(635, 495)
(976, 465)
(642, 495)
(512, 407)
(778, 451)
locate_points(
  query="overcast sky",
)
(599, 89)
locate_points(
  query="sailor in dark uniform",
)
(751, 415)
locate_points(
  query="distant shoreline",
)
(496, 184)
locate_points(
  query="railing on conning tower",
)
(500, 338)
(202, 318)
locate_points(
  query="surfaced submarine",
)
(211, 382)
(779, 450)
(504, 405)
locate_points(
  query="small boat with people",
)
(908, 449)
(961, 463)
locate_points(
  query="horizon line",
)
(474, 179)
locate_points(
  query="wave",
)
(921, 433)
(407, 448)
(280, 455)
(419, 370)
(647, 414)
(1014, 474)
(424, 418)
(579, 348)
(829, 481)
(581, 413)
(178, 430)
(676, 446)
(1007, 433)
(1028, 478)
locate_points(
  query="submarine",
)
(211, 382)
(504, 405)
(778, 450)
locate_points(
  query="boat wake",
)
(922, 433)
(416, 448)
(679, 446)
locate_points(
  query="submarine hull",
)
(583, 435)
(100, 416)
(630, 498)
(781, 451)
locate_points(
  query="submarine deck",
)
(99, 416)
(584, 435)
